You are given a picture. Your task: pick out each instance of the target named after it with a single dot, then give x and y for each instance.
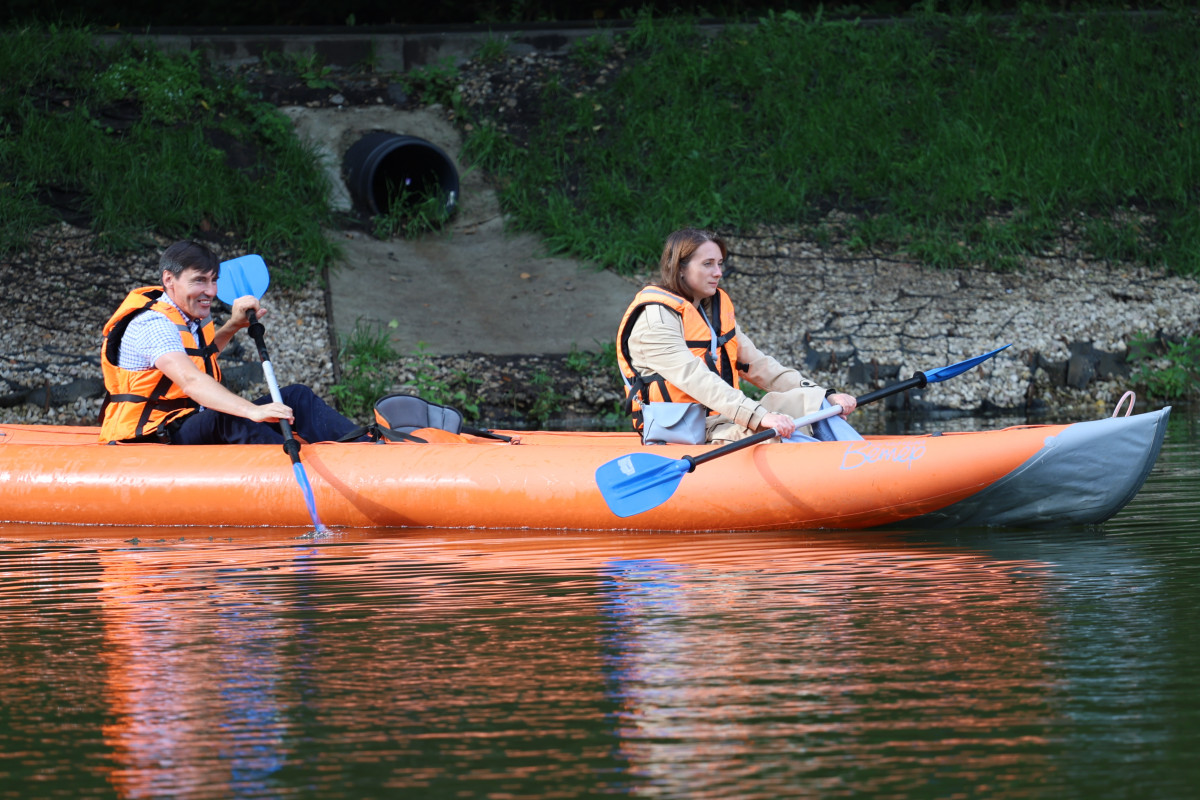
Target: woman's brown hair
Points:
(677, 252)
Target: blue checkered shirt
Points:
(150, 336)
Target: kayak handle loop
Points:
(1131, 397)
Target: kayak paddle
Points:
(249, 275)
(639, 482)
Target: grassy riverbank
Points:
(958, 140)
(129, 141)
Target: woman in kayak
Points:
(679, 342)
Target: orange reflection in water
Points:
(723, 655)
(866, 653)
(190, 656)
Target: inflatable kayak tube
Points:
(1029, 475)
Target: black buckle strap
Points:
(378, 433)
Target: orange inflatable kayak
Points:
(1033, 475)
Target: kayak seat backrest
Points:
(406, 413)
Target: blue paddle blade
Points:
(937, 375)
(639, 482)
(242, 276)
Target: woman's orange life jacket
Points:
(139, 404)
(701, 339)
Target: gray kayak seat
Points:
(398, 415)
(406, 413)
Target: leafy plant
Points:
(547, 400)
(315, 72)
(309, 66)
(434, 83)
(167, 89)
(492, 50)
(366, 359)
(603, 361)
(1168, 369)
(590, 52)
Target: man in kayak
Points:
(161, 376)
(679, 342)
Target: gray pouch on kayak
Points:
(673, 423)
(834, 429)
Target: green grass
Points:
(492, 49)
(1169, 370)
(367, 360)
(960, 140)
(411, 214)
(150, 143)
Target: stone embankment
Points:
(850, 319)
(862, 319)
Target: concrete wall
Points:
(388, 49)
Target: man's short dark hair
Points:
(190, 255)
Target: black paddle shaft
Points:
(256, 330)
(918, 381)
(761, 436)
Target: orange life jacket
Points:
(138, 404)
(698, 336)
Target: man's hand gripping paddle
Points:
(639, 482)
(248, 275)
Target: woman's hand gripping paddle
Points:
(248, 275)
(638, 482)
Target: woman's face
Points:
(702, 272)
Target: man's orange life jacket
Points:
(139, 404)
(717, 347)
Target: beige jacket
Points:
(656, 344)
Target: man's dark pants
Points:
(316, 421)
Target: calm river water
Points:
(209, 663)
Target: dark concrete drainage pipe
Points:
(381, 165)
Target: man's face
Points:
(193, 291)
